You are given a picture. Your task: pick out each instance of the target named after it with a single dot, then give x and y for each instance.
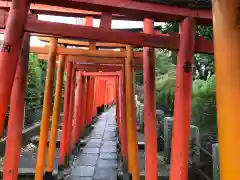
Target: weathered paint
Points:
(10, 52)
(183, 99)
(16, 115)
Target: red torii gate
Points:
(226, 45)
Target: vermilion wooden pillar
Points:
(119, 114)
(118, 102)
(77, 118)
(84, 115)
(9, 54)
(227, 68)
(106, 93)
(92, 100)
(65, 112)
(83, 101)
(133, 165)
(150, 132)
(47, 106)
(182, 103)
(94, 108)
(16, 115)
(124, 117)
(69, 146)
(55, 116)
(101, 92)
(88, 100)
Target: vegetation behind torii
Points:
(203, 96)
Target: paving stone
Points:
(90, 150)
(96, 136)
(98, 159)
(112, 143)
(110, 134)
(78, 178)
(109, 138)
(107, 163)
(110, 130)
(108, 149)
(93, 145)
(86, 160)
(83, 171)
(98, 132)
(27, 163)
(105, 174)
(108, 156)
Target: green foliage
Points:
(204, 113)
(165, 80)
(203, 95)
(34, 82)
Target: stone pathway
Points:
(98, 159)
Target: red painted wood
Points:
(140, 10)
(114, 36)
(77, 117)
(106, 20)
(92, 114)
(63, 149)
(182, 105)
(61, 11)
(94, 110)
(83, 109)
(105, 74)
(16, 115)
(100, 34)
(151, 161)
(9, 54)
(124, 122)
(97, 67)
(85, 100)
(69, 145)
(88, 100)
(89, 21)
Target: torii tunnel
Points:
(104, 76)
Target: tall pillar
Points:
(117, 103)
(47, 106)
(124, 117)
(55, 116)
(65, 112)
(92, 100)
(119, 114)
(227, 64)
(10, 52)
(183, 98)
(94, 108)
(131, 118)
(85, 84)
(69, 146)
(77, 124)
(150, 127)
(89, 100)
(16, 115)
